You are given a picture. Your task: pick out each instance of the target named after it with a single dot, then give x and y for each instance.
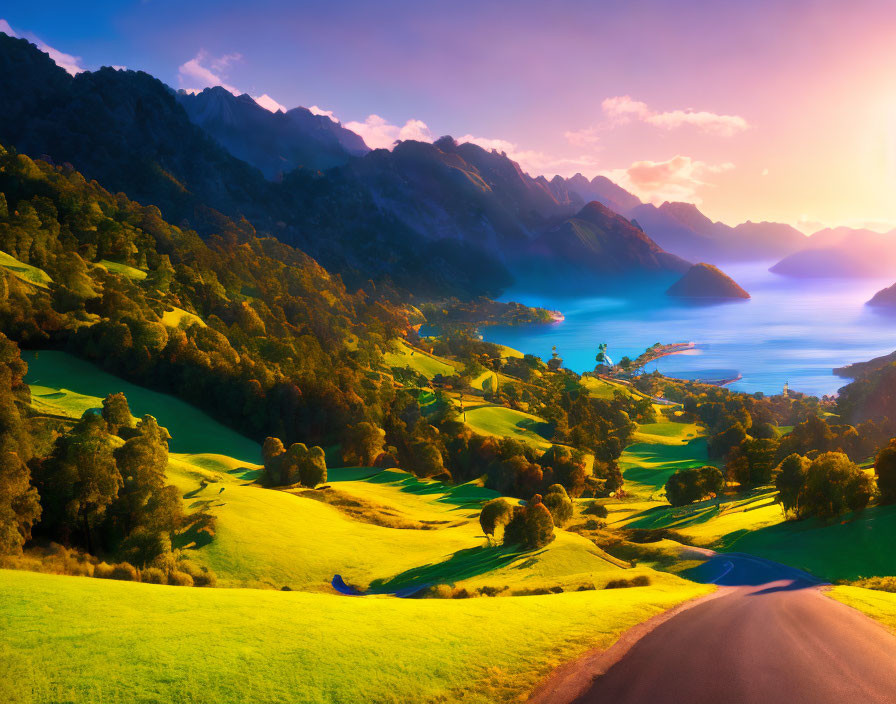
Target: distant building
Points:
(786, 390)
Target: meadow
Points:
(104, 642)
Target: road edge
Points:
(572, 679)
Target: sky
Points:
(752, 109)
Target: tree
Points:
(116, 413)
(313, 470)
(689, 485)
(19, 503)
(752, 462)
(885, 471)
(559, 504)
(790, 482)
(495, 513)
(834, 485)
(82, 478)
(530, 526)
(362, 444)
(141, 462)
(272, 454)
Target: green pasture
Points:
(80, 640)
(66, 385)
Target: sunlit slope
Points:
(83, 385)
(26, 272)
(82, 640)
(881, 606)
(269, 538)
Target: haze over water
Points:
(791, 330)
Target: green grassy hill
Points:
(73, 639)
(66, 385)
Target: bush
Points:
(180, 579)
(642, 580)
(595, 524)
(153, 575)
(201, 576)
(596, 509)
(559, 504)
(124, 571)
(103, 570)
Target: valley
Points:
(593, 401)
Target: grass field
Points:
(79, 640)
(117, 268)
(647, 466)
(177, 316)
(66, 385)
(881, 606)
(505, 422)
(407, 357)
(25, 272)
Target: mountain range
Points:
(442, 218)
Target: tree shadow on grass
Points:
(463, 564)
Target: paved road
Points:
(774, 638)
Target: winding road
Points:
(770, 637)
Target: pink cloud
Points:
(378, 133)
(194, 77)
(268, 103)
(622, 109)
(315, 110)
(72, 64)
(676, 179)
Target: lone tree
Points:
(495, 513)
(790, 482)
(885, 471)
(559, 504)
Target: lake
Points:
(791, 330)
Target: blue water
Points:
(791, 330)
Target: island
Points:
(706, 281)
(885, 298)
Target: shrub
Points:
(596, 509)
(642, 580)
(201, 576)
(180, 579)
(594, 524)
(103, 570)
(153, 575)
(124, 571)
(559, 504)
